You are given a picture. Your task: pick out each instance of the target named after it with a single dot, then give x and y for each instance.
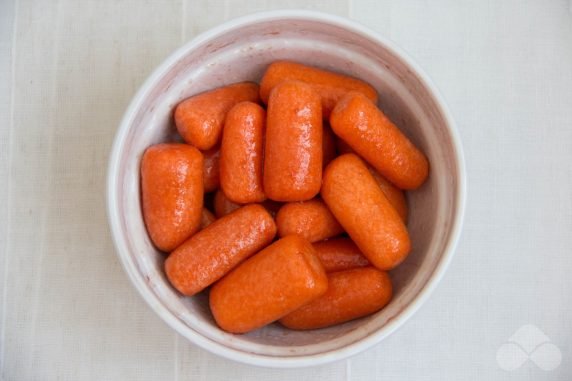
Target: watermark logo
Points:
(529, 343)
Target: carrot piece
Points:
(395, 195)
(351, 294)
(293, 152)
(309, 219)
(172, 193)
(355, 199)
(199, 119)
(375, 138)
(329, 85)
(241, 161)
(211, 253)
(278, 280)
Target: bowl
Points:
(240, 50)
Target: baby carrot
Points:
(172, 193)
(199, 119)
(241, 153)
(309, 219)
(395, 195)
(359, 205)
(208, 255)
(351, 294)
(375, 138)
(330, 86)
(278, 280)
(293, 153)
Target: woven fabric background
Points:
(67, 72)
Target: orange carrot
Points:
(375, 138)
(351, 294)
(309, 219)
(293, 154)
(200, 118)
(329, 85)
(172, 193)
(359, 205)
(208, 255)
(395, 195)
(280, 279)
(242, 148)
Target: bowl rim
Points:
(283, 361)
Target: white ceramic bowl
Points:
(240, 50)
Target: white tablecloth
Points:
(67, 72)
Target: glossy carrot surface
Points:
(278, 280)
(355, 199)
(171, 193)
(329, 85)
(200, 118)
(351, 294)
(309, 219)
(211, 253)
(293, 151)
(242, 150)
(367, 130)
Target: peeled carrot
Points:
(395, 195)
(222, 205)
(199, 119)
(278, 280)
(309, 219)
(293, 154)
(339, 254)
(359, 205)
(211, 176)
(351, 294)
(329, 85)
(211, 253)
(241, 161)
(172, 193)
(375, 138)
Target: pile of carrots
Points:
(309, 209)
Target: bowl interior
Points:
(240, 52)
